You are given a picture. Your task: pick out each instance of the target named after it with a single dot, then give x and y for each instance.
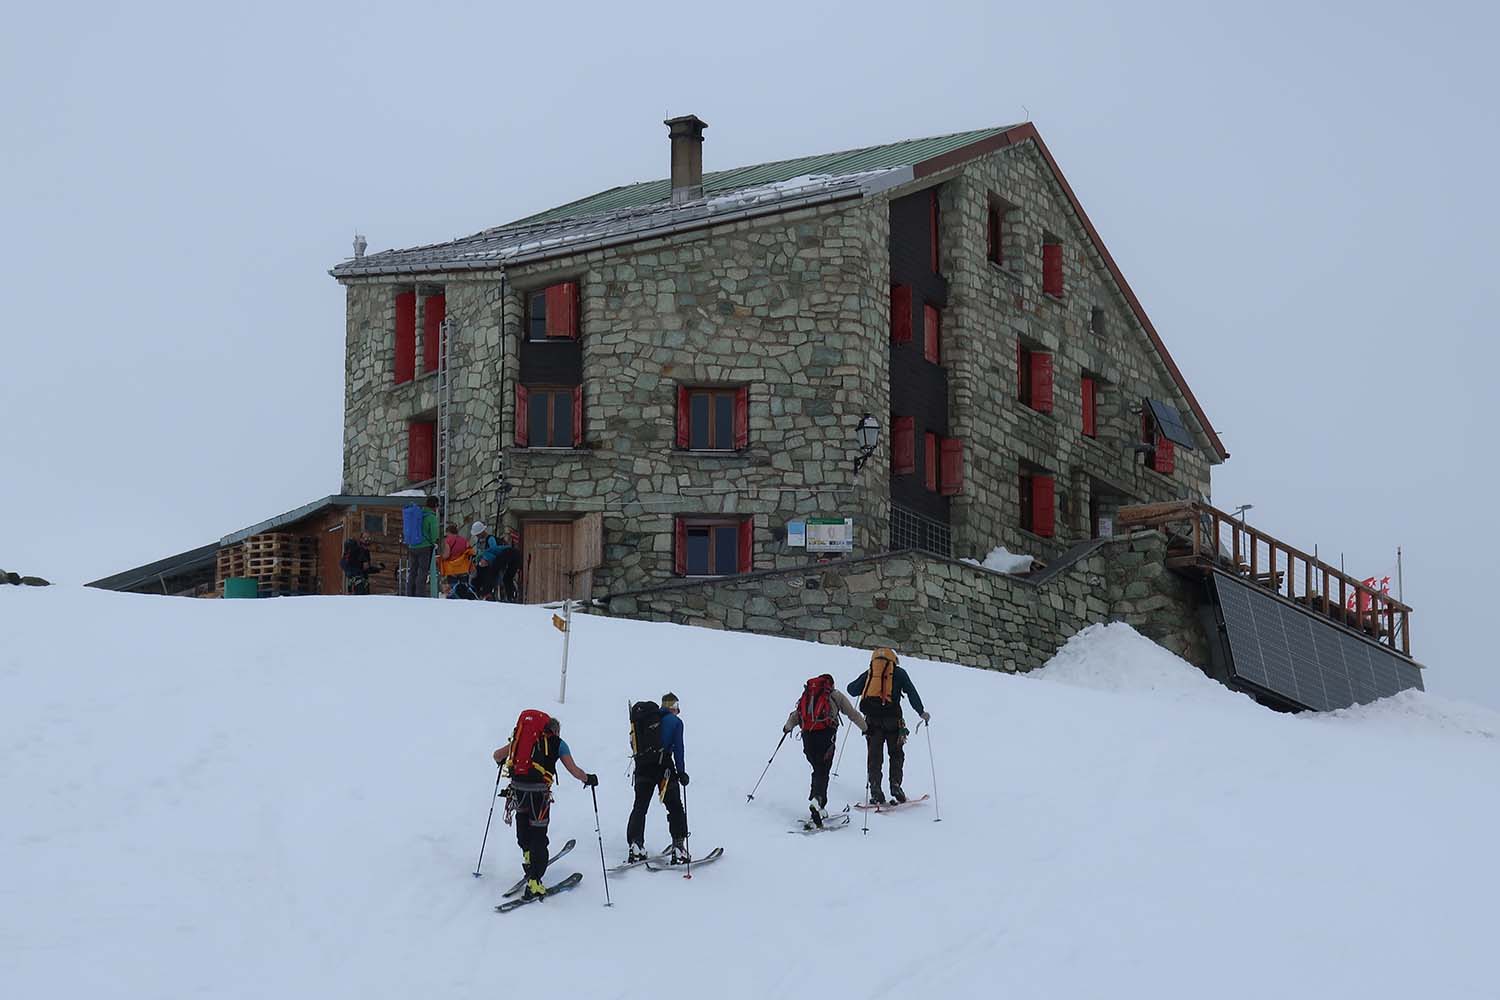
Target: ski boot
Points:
(637, 853)
(534, 889)
(877, 797)
(677, 854)
(818, 811)
(896, 793)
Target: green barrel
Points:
(241, 586)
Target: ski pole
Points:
(499, 773)
(840, 761)
(866, 809)
(936, 806)
(687, 840)
(784, 735)
(599, 834)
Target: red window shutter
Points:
(1162, 459)
(1042, 502)
(679, 547)
(577, 415)
(562, 309)
(742, 417)
(434, 309)
(901, 314)
(684, 417)
(1090, 424)
(903, 445)
(1021, 364)
(747, 545)
(932, 325)
(932, 215)
(523, 417)
(1052, 268)
(930, 461)
(421, 439)
(1041, 382)
(951, 476)
(406, 337)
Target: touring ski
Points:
(625, 866)
(709, 858)
(552, 890)
(521, 884)
(885, 807)
(835, 822)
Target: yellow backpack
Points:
(882, 676)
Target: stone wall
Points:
(990, 308)
(943, 609)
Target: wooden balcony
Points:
(1202, 537)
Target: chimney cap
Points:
(686, 125)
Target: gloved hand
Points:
(786, 729)
(590, 780)
(682, 777)
(927, 717)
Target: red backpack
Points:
(533, 751)
(816, 708)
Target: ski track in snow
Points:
(286, 798)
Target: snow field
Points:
(286, 798)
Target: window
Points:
(900, 314)
(1037, 493)
(932, 325)
(1096, 321)
(1160, 452)
(713, 546)
(1034, 378)
(552, 312)
(1090, 407)
(549, 417)
(713, 418)
(434, 311)
(932, 216)
(903, 445)
(374, 524)
(405, 364)
(421, 451)
(997, 230)
(1052, 267)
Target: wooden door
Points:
(546, 558)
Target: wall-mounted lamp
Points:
(866, 436)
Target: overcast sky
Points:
(1302, 195)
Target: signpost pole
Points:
(567, 631)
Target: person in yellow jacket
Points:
(455, 557)
(879, 691)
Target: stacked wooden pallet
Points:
(283, 563)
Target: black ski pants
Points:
(533, 811)
(818, 746)
(884, 733)
(648, 778)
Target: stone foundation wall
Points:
(943, 609)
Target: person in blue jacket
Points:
(879, 690)
(661, 769)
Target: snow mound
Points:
(1430, 712)
(1115, 657)
(1002, 560)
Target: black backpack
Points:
(645, 732)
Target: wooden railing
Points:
(1213, 537)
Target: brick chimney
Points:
(687, 157)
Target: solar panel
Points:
(1288, 651)
(1169, 421)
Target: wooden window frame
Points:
(541, 323)
(1028, 387)
(739, 397)
(744, 528)
(574, 394)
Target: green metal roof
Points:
(852, 161)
